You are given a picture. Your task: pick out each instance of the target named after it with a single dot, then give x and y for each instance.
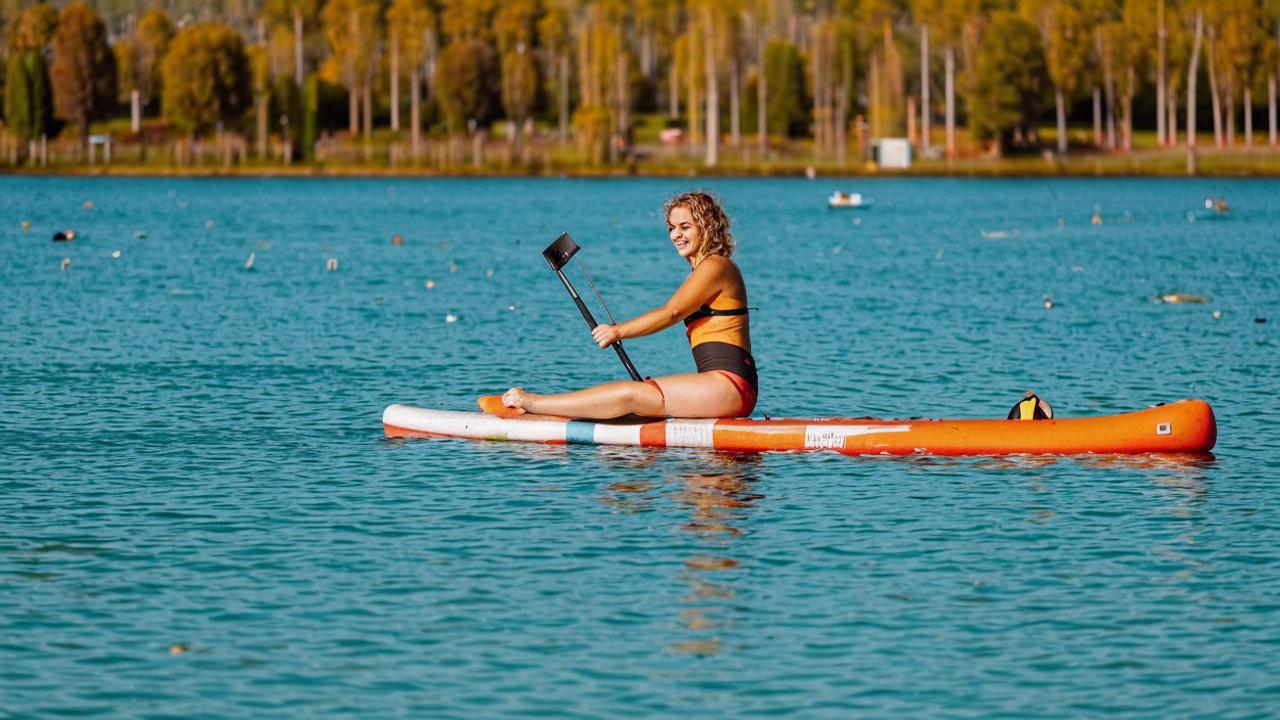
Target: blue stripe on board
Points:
(579, 431)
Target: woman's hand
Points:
(606, 335)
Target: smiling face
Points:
(684, 233)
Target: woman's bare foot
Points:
(516, 397)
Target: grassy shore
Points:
(388, 154)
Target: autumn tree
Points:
(513, 26)
(1065, 38)
(207, 78)
(83, 71)
(295, 12)
(151, 38)
(465, 87)
(409, 22)
(1009, 77)
(352, 28)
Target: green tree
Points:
(84, 74)
(1009, 77)
(464, 79)
(784, 74)
(207, 77)
(28, 101)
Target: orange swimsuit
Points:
(720, 337)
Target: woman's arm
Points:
(696, 288)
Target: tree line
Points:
(739, 72)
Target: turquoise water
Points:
(199, 515)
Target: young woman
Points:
(712, 303)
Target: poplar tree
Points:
(83, 69)
(1009, 77)
(412, 21)
(513, 26)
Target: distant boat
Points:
(848, 200)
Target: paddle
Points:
(558, 255)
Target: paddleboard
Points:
(1186, 426)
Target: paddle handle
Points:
(591, 322)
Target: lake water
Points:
(200, 516)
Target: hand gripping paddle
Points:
(558, 255)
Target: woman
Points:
(712, 303)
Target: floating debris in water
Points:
(178, 648)
(115, 254)
(511, 307)
(430, 284)
(1182, 298)
(248, 264)
(66, 263)
(64, 236)
(450, 318)
(1077, 269)
(488, 272)
(711, 563)
(1217, 314)
(88, 205)
(1048, 303)
(26, 225)
(397, 239)
(331, 264)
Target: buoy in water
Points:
(397, 239)
(26, 225)
(331, 264)
(430, 284)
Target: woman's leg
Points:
(690, 395)
(700, 395)
(601, 402)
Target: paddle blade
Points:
(559, 252)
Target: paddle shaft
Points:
(591, 322)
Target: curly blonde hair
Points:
(711, 219)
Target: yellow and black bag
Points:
(1031, 407)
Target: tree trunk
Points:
(1248, 116)
(1229, 112)
(395, 80)
(297, 48)
(735, 104)
(713, 96)
(1191, 94)
(1128, 109)
(353, 109)
(415, 111)
(368, 111)
(263, 103)
(673, 92)
(842, 109)
(762, 96)
(950, 90)
(564, 97)
(924, 90)
(1059, 102)
(1271, 110)
(1214, 95)
(1161, 134)
(1097, 116)
(1171, 98)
